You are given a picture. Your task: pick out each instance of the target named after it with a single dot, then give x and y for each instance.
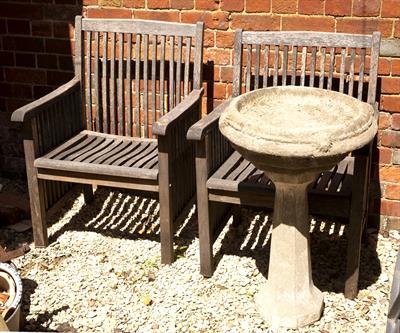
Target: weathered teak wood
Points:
(316, 59)
(393, 321)
(97, 128)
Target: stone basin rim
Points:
(336, 138)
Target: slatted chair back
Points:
(341, 62)
(135, 71)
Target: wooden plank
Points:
(115, 146)
(307, 38)
(153, 77)
(66, 145)
(228, 165)
(342, 68)
(361, 75)
(142, 157)
(79, 64)
(94, 143)
(121, 96)
(326, 176)
(373, 71)
(294, 65)
(129, 109)
(178, 70)
(171, 72)
(257, 69)
(276, 65)
(162, 71)
(97, 104)
(338, 178)
(146, 85)
(113, 157)
(266, 66)
(303, 66)
(88, 87)
(285, 64)
(137, 85)
(132, 153)
(352, 65)
(100, 147)
(75, 148)
(187, 66)
(238, 170)
(112, 84)
(198, 56)
(138, 26)
(322, 67)
(106, 155)
(331, 68)
(104, 84)
(313, 63)
(248, 68)
(237, 64)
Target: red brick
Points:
(48, 61)
(21, 91)
(384, 66)
(390, 139)
(6, 58)
(389, 174)
(209, 38)
(89, 2)
(232, 5)
(384, 120)
(366, 8)
(396, 121)
(284, 6)
(58, 78)
(27, 11)
(384, 155)
(58, 46)
(219, 90)
(392, 192)
(18, 27)
(42, 28)
(259, 6)
(396, 29)
(337, 8)
(172, 16)
(308, 23)
(256, 21)
(158, 4)
(61, 13)
(25, 60)
(29, 44)
(63, 30)
(207, 4)
(182, 4)
(395, 67)
(364, 26)
(227, 73)
(390, 8)
(313, 7)
(3, 26)
(389, 207)
(212, 20)
(65, 63)
(218, 56)
(25, 75)
(109, 13)
(134, 3)
(40, 91)
(110, 3)
(390, 103)
(390, 85)
(225, 39)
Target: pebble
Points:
(100, 274)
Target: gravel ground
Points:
(102, 273)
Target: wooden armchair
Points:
(343, 62)
(96, 129)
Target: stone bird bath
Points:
(293, 134)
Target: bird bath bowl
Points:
(293, 134)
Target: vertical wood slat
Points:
(112, 84)
(121, 103)
(285, 64)
(313, 63)
(237, 65)
(266, 66)
(89, 79)
(257, 69)
(248, 68)
(361, 75)
(171, 72)
(146, 85)
(294, 65)
(153, 77)
(129, 84)
(96, 81)
(162, 71)
(104, 94)
(342, 68)
(303, 66)
(322, 67)
(276, 65)
(373, 72)
(198, 56)
(331, 68)
(178, 70)
(352, 64)
(137, 85)
(187, 65)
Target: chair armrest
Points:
(198, 131)
(162, 126)
(30, 110)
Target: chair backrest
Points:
(134, 71)
(343, 62)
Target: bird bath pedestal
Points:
(293, 134)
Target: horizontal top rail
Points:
(139, 26)
(307, 38)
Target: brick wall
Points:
(221, 18)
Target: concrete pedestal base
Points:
(289, 298)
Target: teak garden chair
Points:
(343, 62)
(96, 129)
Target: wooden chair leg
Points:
(87, 193)
(205, 236)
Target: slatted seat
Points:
(102, 154)
(121, 121)
(345, 63)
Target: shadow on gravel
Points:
(121, 214)
(252, 238)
